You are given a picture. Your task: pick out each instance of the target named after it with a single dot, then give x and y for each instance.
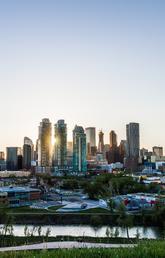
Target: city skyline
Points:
(106, 136)
(95, 64)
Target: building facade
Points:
(101, 142)
(133, 145)
(70, 154)
(113, 139)
(44, 143)
(28, 153)
(91, 141)
(122, 150)
(79, 150)
(60, 147)
(13, 158)
(2, 161)
(158, 151)
(14, 196)
(133, 140)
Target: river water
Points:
(72, 230)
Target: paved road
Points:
(63, 245)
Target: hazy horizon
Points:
(93, 63)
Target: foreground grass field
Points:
(149, 249)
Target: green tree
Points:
(39, 231)
(137, 234)
(116, 234)
(124, 220)
(107, 232)
(111, 205)
(48, 232)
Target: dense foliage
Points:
(111, 185)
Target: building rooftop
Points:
(17, 189)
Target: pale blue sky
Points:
(94, 63)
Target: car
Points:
(84, 205)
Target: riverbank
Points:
(36, 234)
(64, 245)
(7, 241)
(77, 218)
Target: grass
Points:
(95, 210)
(149, 249)
(28, 210)
(25, 210)
(54, 208)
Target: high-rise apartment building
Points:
(112, 155)
(101, 142)
(133, 140)
(91, 141)
(60, 150)
(70, 154)
(122, 150)
(2, 155)
(2, 161)
(158, 151)
(28, 153)
(79, 150)
(113, 139)
(91, 136)
(44, 143)
(133, 145)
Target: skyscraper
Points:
(113, 139)
(70, 154)
(101, 142)
(122, 150)
(2, 155)
(2, 161)
(28, 153)
(79, 150)
(44, 143)
(60, 151)
(14, 158)
(133, 145)
(91, 141)
(133, 140)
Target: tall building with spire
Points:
(44, 143)
(79, 150)
(113, 154)
(101, 142)
(60, 147)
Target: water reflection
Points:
(144, 232)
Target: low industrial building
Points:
(3, 199)
(19, 196)
(136, 201)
